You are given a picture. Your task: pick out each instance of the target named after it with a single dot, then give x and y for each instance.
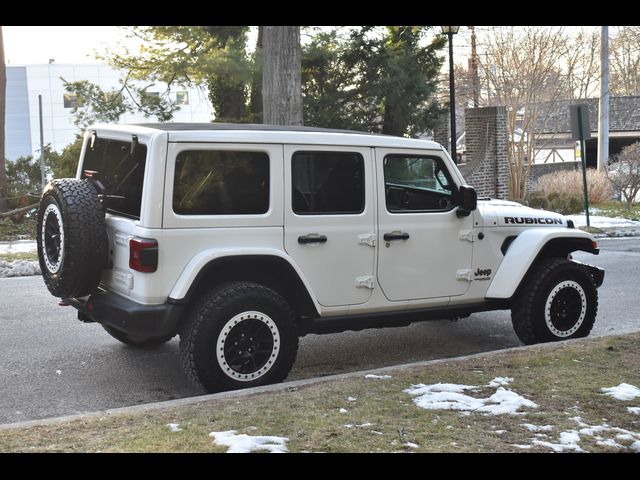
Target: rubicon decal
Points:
(534, 220)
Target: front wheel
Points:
(558, 301)
(239, 335)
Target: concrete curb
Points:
(279, 387)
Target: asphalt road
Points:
(51, 364)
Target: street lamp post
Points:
(450, 31)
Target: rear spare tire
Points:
(71, 237)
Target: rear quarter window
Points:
(221, 182)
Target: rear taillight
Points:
(143, 254)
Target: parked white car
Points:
(241, 238)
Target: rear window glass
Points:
(221, 182)
(120, 171)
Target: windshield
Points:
(120, 172)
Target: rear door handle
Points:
(313, 238)
(395, 236)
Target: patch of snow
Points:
(625, 436)
(537, 428)
(352, 399)
(362, 425)
(174, 427)
(447, 396)
(500, 432)
(18, 246)
(635, 446)
(609, 443)
(579, 421)
(602, 222)
(523, 447)
(371, 376)
(411, 445)
(343, 410)
(624, 391)
(247, 443)
(376, 432)
(19, 268)
(568, 441)
(635, 410)
(58, 372)
(500, 381)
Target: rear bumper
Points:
(131, 317)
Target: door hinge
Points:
(366, 282)
(466, 235)
(465, 275)
(367, 239)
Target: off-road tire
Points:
(134, 341)
(558, 301)
(72, 238)
(203, 347)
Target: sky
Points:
(76, 44)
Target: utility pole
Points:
(603, 106)
(473, 68)
(42, 175)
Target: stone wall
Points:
(540, 169)
(485, 166)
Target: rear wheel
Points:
(559, 301)
(135, 341)
(239, 335)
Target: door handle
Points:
(313, 238)
(395, 236)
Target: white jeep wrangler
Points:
(241, 238)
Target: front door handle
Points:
(395, 236)
(305, 239)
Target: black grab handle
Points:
(395, 236)
(304, 239)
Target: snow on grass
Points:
(241, 443)
(537, 428)
(635, 410)
(18, 246)
(174, 427)
(18, 268)
(500, 381)
(448, 396)
(602, 222)
(352, 399)
(568, 441)
(371, 376)
(624, 391)
(411, 445)
(343, 410)
(362, 425)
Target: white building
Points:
(26, 82)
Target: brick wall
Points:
(486, 167)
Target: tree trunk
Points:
(281, 75)
(3, 96)
(255, 102)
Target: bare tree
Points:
(624, 61)
(624, 173)
(281, 75)
(524, 70)
(3, 97)
(582, 64)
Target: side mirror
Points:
(467, 201)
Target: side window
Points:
(417, 183)
(221, 182)
(327, 183)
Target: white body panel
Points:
(354, 272)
